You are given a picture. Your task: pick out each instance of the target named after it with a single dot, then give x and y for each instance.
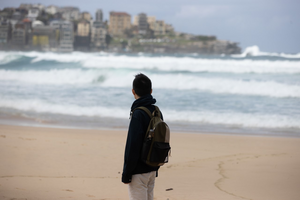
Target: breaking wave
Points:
(255, 51)
(205, 117)
(158, 63)
(160, 81)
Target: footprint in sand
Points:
(68, 190)
(27, 138)
(3, 136)
(19, 189)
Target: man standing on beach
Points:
(139, 176)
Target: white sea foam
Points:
(54, 77)
(160, 81)
(232, 119)
(40, 106)
(163, 63)
(255, 51)
(193, 64)
(227, 86)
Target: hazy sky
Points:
(273, 25)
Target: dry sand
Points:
(52, 164)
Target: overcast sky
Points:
(273, 25)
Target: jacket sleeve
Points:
(133, 147)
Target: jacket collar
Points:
(145, 100)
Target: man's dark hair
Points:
(142, 85)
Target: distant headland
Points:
(35, 27)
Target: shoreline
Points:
(105, 123)
(125, 130)
(52, 163)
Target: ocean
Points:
(254, 93)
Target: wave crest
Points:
(160, 81)
(162, 63)
(255, 51)
(232, 119)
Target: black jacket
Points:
(136, 133)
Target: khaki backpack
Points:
(156, 146)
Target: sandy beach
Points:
(53, 163)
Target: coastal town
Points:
(35, 27)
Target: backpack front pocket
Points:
(146, 149)
(160, 151)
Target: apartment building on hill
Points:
(98, 32)
(146, 23)
(64, 31)
(118, 23)
(82, 38)
(5, 32)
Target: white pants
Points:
(141, 186)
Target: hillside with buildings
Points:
(65, 29)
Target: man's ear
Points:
(133, 92)
(151, 91)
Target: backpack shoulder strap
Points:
(144, 109)
(149, 114)
(157, 111)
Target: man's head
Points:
(141, 85)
